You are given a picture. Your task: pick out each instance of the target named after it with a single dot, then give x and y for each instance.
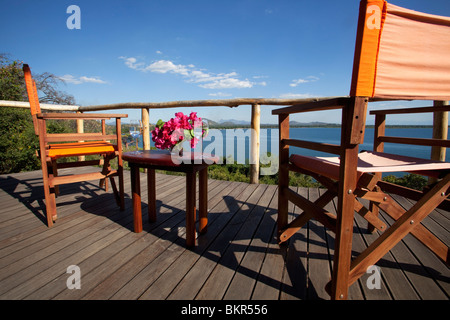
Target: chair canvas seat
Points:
(81, 148)
(371, 162)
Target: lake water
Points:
(236, 142)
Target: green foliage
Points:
(413, 181)
(231, 171)
(12, 85)
(18, 143)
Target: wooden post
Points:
(254, 143)
(440, 131)
(145, 128)
(80, 129)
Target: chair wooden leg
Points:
(121, 186)
(373, 208)
(115, 191)
(55, 174)
(203, 200)
(344, 219)
(408, 222)
(151, 194)
(118, 193)
(103, 183)
(283, 178)
(343, 247)
(50, 197)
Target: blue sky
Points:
(167, 50)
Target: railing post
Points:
(254, 143)
(145, 128)
(440, 131)
(80, 129)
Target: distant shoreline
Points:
(275, 126)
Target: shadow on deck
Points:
(238, 258)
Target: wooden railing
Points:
(440, 118)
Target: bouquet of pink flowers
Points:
(167, 135)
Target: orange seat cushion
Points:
(80, 149)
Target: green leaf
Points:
(160, 123)
(188, 134)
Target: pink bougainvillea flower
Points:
(168, 134)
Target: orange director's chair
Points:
(56, 146)
(400, 54)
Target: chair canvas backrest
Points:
(33, 97)
(401, 54)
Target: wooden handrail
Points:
(412, 110)
(416, 141)
(201, 103)
(314, 105)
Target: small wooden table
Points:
(162, 159)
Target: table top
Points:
(165, 158)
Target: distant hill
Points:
(230, 124)
(312, 124)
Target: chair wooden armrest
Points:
(92, 116)
(353, 126)
(319, 105)
(64, 137)
(380, 127)
(411, 110)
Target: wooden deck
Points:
(237, 259)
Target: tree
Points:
(12, 84)
(18, 143)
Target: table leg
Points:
(203, 200)
(190, 208)
(151, 195)
(136, 195)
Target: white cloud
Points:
(227, 83)
(296, 96)
(83, 79)
(192, 74)
(220, 94)
(91, 79)
(164, 66)
(296, 82)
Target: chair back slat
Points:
(33, 97)
(401, 54)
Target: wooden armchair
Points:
(392, 61)
(57, 146)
